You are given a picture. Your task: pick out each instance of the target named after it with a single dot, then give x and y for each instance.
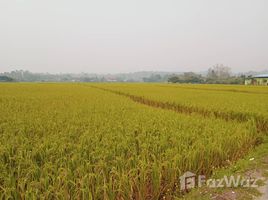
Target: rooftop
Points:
(261, 76)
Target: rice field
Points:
(121, 141)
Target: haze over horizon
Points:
(120, 36)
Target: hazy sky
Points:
(132, 35)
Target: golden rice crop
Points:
(240, 103)
(72, 141)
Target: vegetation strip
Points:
(217, 90)
(261, 122)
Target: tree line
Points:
(218, 74)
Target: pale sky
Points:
(132, 35)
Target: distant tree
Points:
(219, 71)
(190, 77)
(174, 79)
(187, 77)
(6, 79)
(153, 78)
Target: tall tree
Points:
(219, 71)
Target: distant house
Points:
(261, 79)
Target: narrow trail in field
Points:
(213, 90)
(261, 123)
